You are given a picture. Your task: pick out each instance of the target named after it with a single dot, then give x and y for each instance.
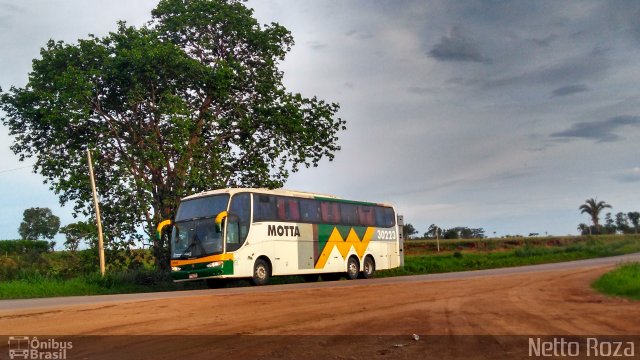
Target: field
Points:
(37, 273)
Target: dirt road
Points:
(380, 317)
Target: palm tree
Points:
(593, 207)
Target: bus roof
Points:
(282, 192)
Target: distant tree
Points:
(622, 223)
(79, 232)
(433, 231)
(408, 230)
(609, 224)
(584, 229)
(477, 233)
(451, 234)
(463, 232)
(38, 223)
(634, 217)
(593, 207)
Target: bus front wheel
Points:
(353, 268)
(261, 273)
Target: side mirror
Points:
(219, 219)
(162, 226)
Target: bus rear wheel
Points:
(368, 268)
(353, 268)
(261, 273)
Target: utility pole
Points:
(97, 206)
(438, 238)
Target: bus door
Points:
(238, 221)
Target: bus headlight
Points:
(214, 264)
(175, 268)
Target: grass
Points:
(133, 281)
(528, 254)
(34, 275)
(623, 281)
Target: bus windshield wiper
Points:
(195, 240)
(182, 256)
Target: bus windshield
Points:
(194, 231)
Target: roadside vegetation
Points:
(623, 281)
(29, 269)
(478, 254)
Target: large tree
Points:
(38, 223)
(191, 101)
(593, 207)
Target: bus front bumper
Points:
(201, 270)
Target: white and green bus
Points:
(259, 233)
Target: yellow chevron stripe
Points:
(344, 245)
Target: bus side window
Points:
(288, 209)
(384, 217)
(264, 208)
(282, 211)
(389, 217)
(310, 210)
(330, 212)
(292, 208)
(366, 215)
(349, 214)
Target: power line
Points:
(14, 169)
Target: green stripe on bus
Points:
(344, 201)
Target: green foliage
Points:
(408, 230)
(458, 232)
(623, 281)
(39, 223)
(12, 247)
(79, 232)
(535, 252)
(634, 218)
(190, 102)
(593, 207)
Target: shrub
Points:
(13, 247)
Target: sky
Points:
(494, 114)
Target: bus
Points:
(259, 233)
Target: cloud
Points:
(361, 35)
(317, 45)
(421, 90)
(629, 176)
(569, 90)
(578, 68)
(7, 13)
(456, 47)
(544, 42)
(601, 131)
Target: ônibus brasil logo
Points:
(25, 347)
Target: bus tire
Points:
(261, 273)
(368, 268)
(353, 268)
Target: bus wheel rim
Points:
(260, 272)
